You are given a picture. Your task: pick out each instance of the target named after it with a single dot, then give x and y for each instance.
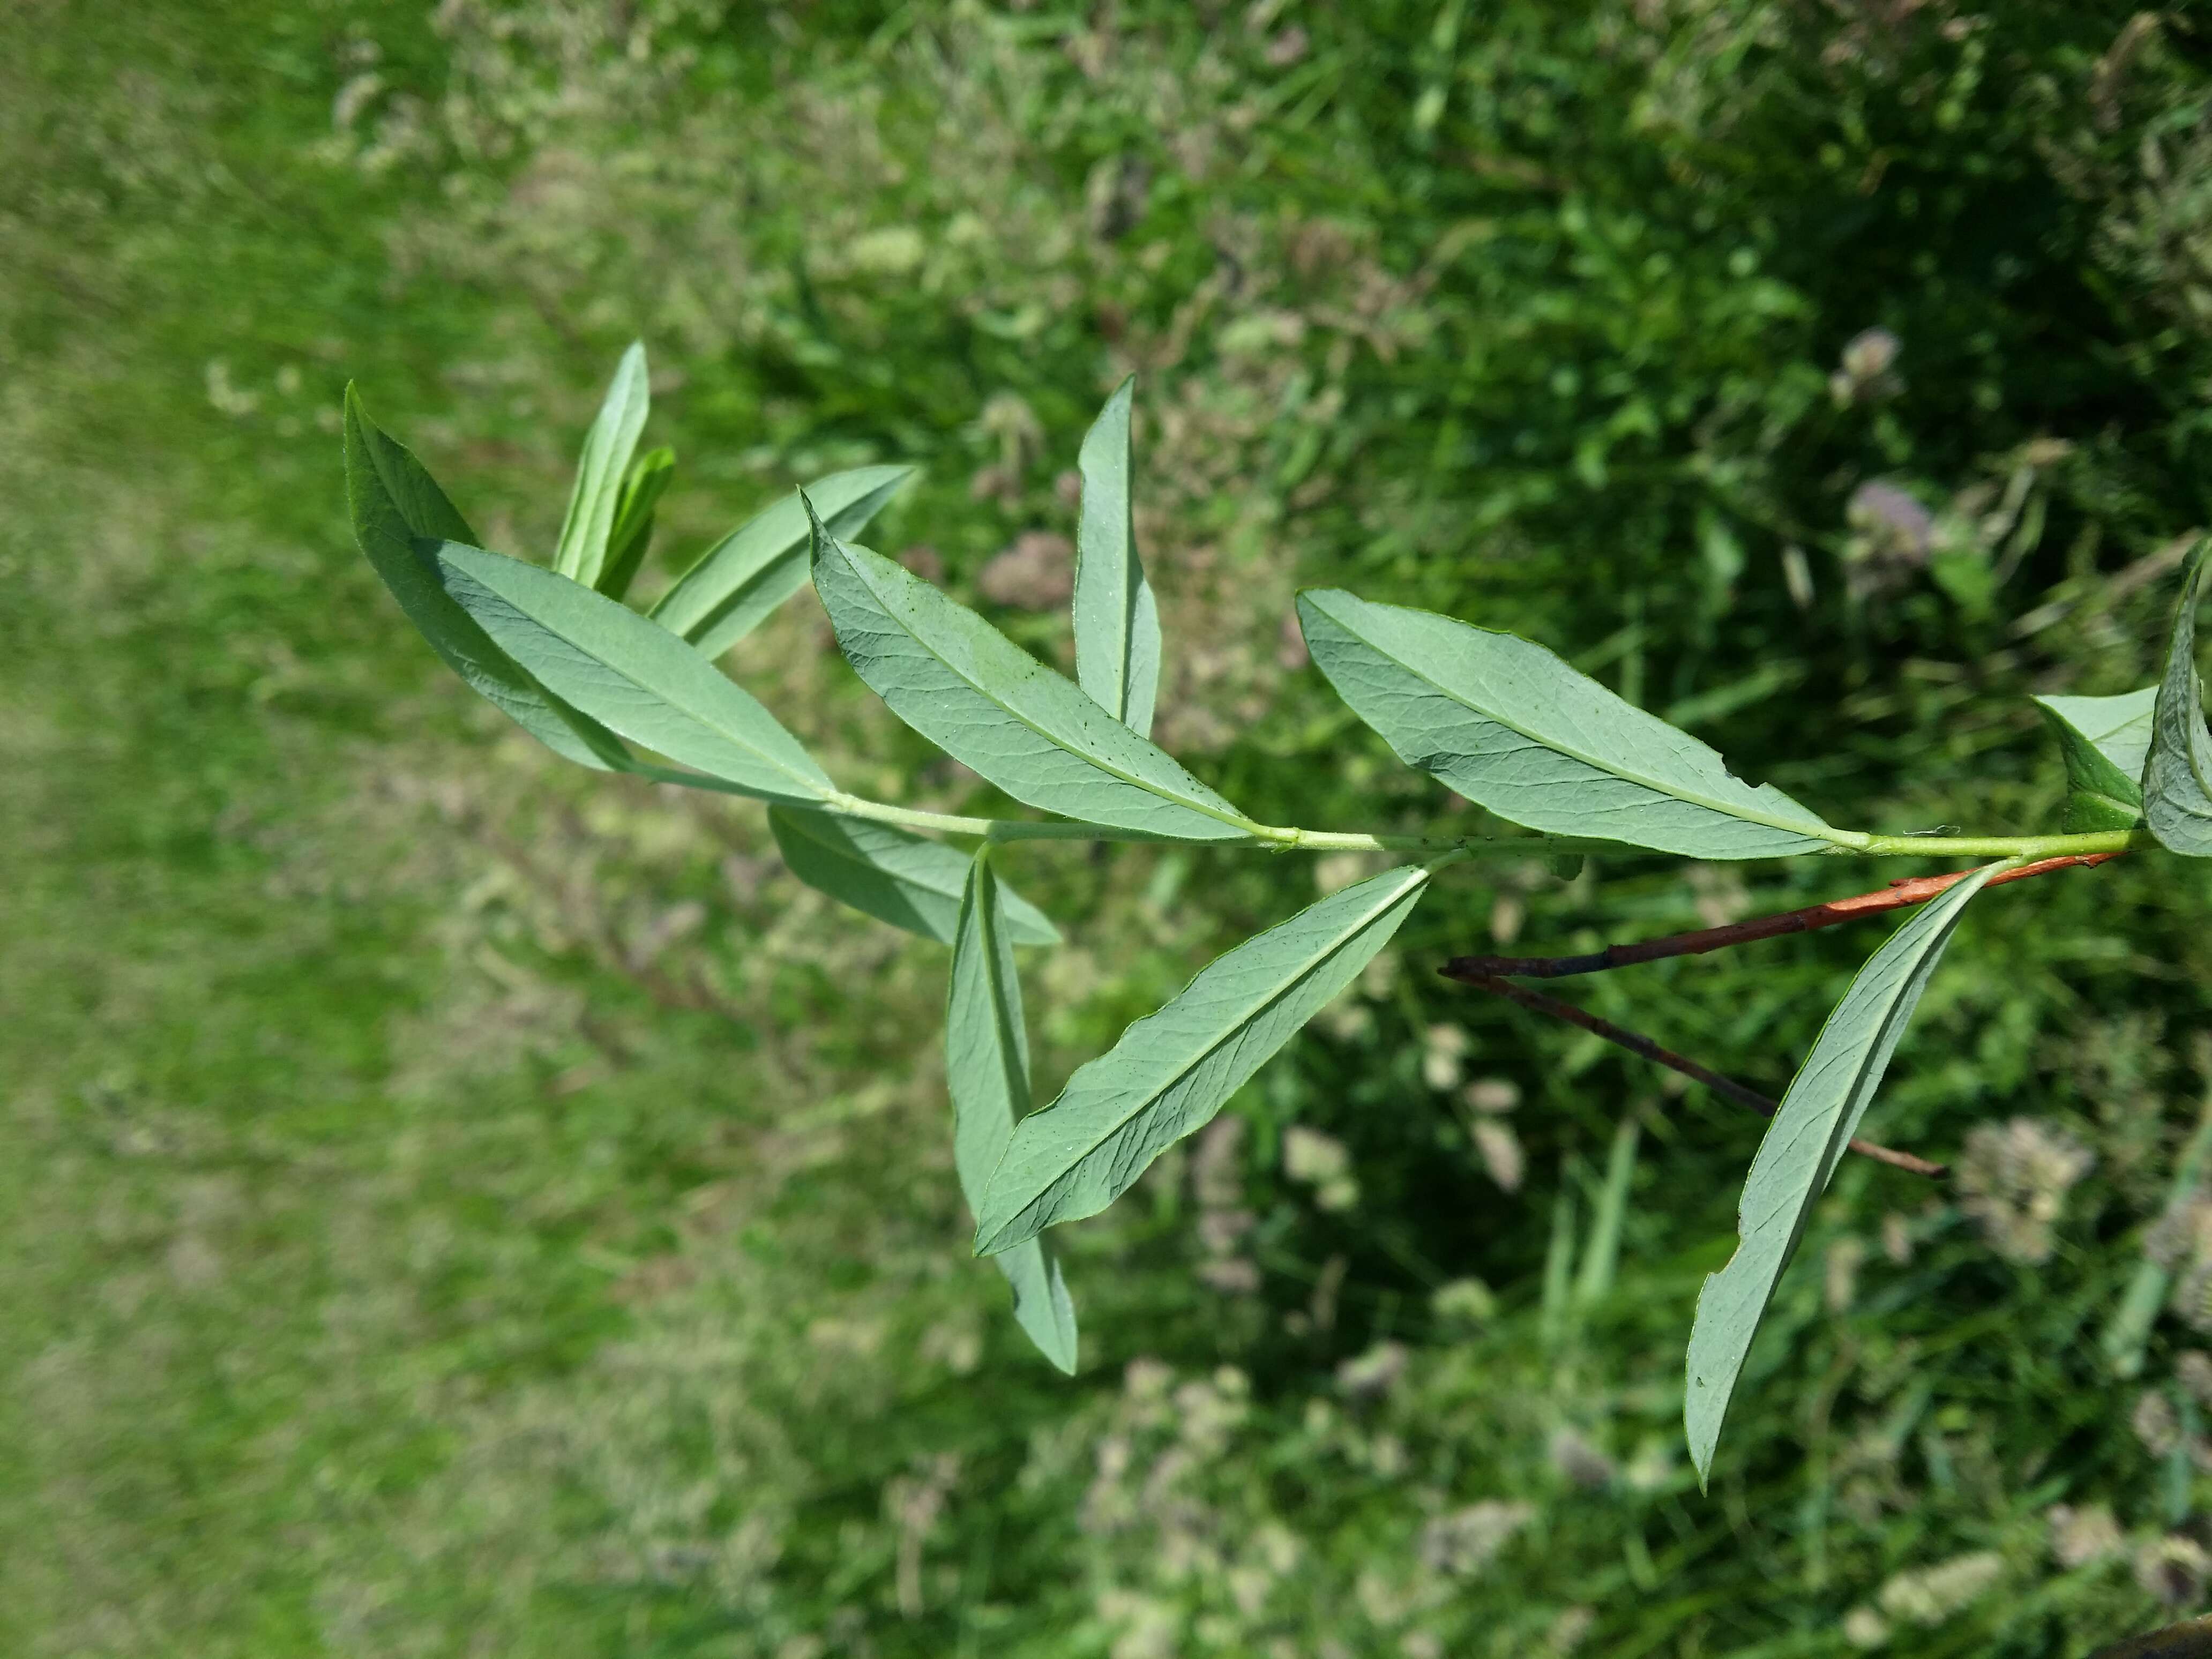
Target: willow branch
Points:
(1898, 896)
(1636, 1044)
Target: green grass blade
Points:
(739, 580)
(601, 469)
(395, 503)
(1602, 1253)
(649, 476)
(987, 1065)
(2176, 782)
(1819, 1114)
(905, 880)
(628, 671)
(1508, 724)
(1117, 620)
(989, 704)
(1171, 1071)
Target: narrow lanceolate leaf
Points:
(986, 1062)
(395, 503)
(2106, 741)
(2176, 782)
(1172, 1070)
(1815, 1121)
(633, 533)
(741, 579)
(1117, 621)
(1511, 728)
(599, 470)
(989, 704)
(907, 880)
(630, 672)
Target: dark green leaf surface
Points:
(600, 470)
(1511, 728)
(2177, 783)
(395, 503)
(633, 533)
(738, 583)
(907, 880)
(986, 1066)
(1117, 620)
(1171, 1071)
(988, 703)
(1816, 1120)
(632, 673)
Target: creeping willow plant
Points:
(1501, 720)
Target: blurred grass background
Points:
(455, 1205)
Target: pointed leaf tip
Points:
(601, 466)
(987, 1064)
(397, 505)
(738, 582)
(1170, 1071)
(1505, 723)
(1116, 614)
(1815, 1123)
(991, 706)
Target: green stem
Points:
(1281, 839)
(2004, 847)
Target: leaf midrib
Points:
(1235, 820)
(1824, 832)
(1936, 937)
(813, 784)
(1186, 1067)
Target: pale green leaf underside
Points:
(739, 580)
(987, 1063)
(2106, 741)
(1511, 728)
(990, 705)
(1117, 619)
(1171, 1071)
(2176, 781)
(631, 673)
(395, 504)
(1817, 1118)
(600, 468)
(907, 880)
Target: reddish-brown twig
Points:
(1537, 1002)
(1898, 896)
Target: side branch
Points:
(1898, 896)
(1636, 1044)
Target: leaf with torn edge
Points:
(1511, 728)
(1171, 1071)
(990, 705)
(632, 673)
(987, 1063)
(1815, 1123)
(907, 880)
(397, 504)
